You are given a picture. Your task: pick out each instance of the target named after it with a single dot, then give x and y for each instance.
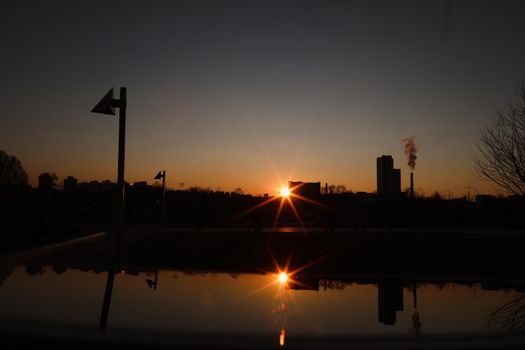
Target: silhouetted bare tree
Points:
(510, 315)
(501, 148)
(334, 189)
(11, 170)
(238, 191)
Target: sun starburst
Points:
(283, 277)
(285, 192)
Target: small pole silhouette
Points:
(162, 175)
(412, 184)
(107, 105)
(468, 188)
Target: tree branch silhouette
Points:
(510, 315)
(501, 148)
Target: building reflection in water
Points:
(304, 282)
(390, 298)
(390, 301)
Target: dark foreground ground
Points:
(50, 338)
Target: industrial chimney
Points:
(411, 185)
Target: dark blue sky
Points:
(241, 93)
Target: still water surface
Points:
(249, 303)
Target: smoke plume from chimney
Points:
(410, 151)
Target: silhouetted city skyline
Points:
(240, 94)
(262, 174)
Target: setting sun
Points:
(285, 192)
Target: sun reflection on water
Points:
(281, 337)
(282, 278)
(280, 309)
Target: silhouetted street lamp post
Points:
(162, 175)
(107, 105)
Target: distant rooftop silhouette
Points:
(305, 189)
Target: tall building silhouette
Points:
(388, 178)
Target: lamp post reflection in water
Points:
(107, 299)
(416, 321)
(152, 284)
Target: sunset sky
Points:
(227, 94)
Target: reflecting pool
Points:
(266, 303)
